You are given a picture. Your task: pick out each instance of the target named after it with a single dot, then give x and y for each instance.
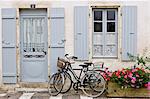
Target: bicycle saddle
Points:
(83, 65)
(88, 63)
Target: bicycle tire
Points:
(55, 84)
(67, 83)
(93, 84)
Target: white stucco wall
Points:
(143, 35)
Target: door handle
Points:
(79, 33)
(131, 33)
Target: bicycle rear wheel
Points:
(55, 84)
(93, 84)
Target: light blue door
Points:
(57, 40)
(34, 67)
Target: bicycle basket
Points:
(61, 63)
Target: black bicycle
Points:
(92, 83)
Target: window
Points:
(105, 33)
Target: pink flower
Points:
(130, 75)
(109, 74)
(137, 75)
(133, 78)
(132, 81)
(119, 76)
(148, 86)
(134, 70)
(125, 76)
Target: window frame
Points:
(104, 32)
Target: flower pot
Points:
(115, 90)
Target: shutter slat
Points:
(129, 31)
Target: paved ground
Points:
(45, 95)
(23, 95)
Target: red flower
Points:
(145, 85)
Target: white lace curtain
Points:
(33, 34)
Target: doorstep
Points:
(31, 89)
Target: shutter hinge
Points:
(120, 50)
(120, 14)
(89, 14)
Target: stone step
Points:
(31, 89)
(33, 85)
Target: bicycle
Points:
(56, 81)
(92, 83)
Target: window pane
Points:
(97, 26)
(110, 15)
(97, 15)
(110, 26)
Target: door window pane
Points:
(110, 26)
(97, 15)
(98, 50)
(110, 15)
(97, 26)
(110, 50)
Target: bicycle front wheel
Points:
(55, 84)
(93, 84)
(67, 83)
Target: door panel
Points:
(33, 47)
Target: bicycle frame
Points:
(77, 78)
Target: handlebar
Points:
(72, 57)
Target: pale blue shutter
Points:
(81, 32)
(129, 31)
(57, 27)
(9, 45)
